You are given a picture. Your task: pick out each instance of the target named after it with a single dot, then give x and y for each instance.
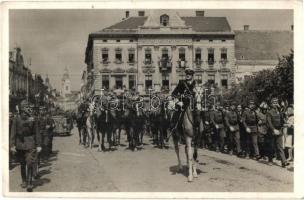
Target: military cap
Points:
(251, 101)
(274, 99)
(189, 71)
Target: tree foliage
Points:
(267, 83)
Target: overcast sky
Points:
(55, 39)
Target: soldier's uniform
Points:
(232, 120)
(250, 122)
(25, 138)
(262, 131)
(217, 118)
(185, 94)
(208, 130)
(275, 124)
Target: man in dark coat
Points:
(184, 94)
(275, 124)
(250, 122)
(231, 119)
(217, 119)
(25, 142)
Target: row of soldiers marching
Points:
(247, 131)
(31, 139)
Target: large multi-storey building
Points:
(153, 50)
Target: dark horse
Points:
(136, 124)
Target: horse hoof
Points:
(190, 178)
(195, 175)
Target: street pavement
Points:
(73, 168)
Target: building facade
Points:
(257, 50)
(152, 51)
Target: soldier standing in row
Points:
(217, 119)
(250, 122)
(25, 142)
(275, 124)
(231, 119)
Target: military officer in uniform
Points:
(25, 142)
(217, 119)
(250, 122)
(275, 124)
(184, 95)
(231, 119)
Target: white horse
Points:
(188, 132)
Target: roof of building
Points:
(198, 24)
(262, 45)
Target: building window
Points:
(141, 13)
(198, 56)
(165, 81)
(164, 20)
(148, 82)
(198, 40)
(211, 79)
(182, 54)
(148, 56)
(165, 53)
(223, 40)
(118, 56)
(105, 40)
(118, 82)
(67, 88)
(117, 40)
(131, 55)
(132, 82)
(198, 78)
(130, 40)
(105, 55)
(223, 54)
(210, 40)
(210, 56)
(224, 81)
(105, 82)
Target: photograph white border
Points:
(297, 6)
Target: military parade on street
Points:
(164, 101)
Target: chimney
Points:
(291, 27)
(127, 14)
(141, 13)
(246, 27)
(200, 13)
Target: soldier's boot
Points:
(23, 175)
(30, 186)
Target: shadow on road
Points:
(184, 171)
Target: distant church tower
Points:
(65, 83)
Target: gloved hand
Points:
(38, 149)
(276, 132)
(231, 128)
(180, 103)
(248, 130)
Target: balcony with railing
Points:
(165, 64)
(223, 62)
(105, 61)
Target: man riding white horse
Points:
(183, 120)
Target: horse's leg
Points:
(109, 135)
(189, 158)
(176, 147)
(194, 162)
(98, 138)
(79, 132)
(102, 139)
